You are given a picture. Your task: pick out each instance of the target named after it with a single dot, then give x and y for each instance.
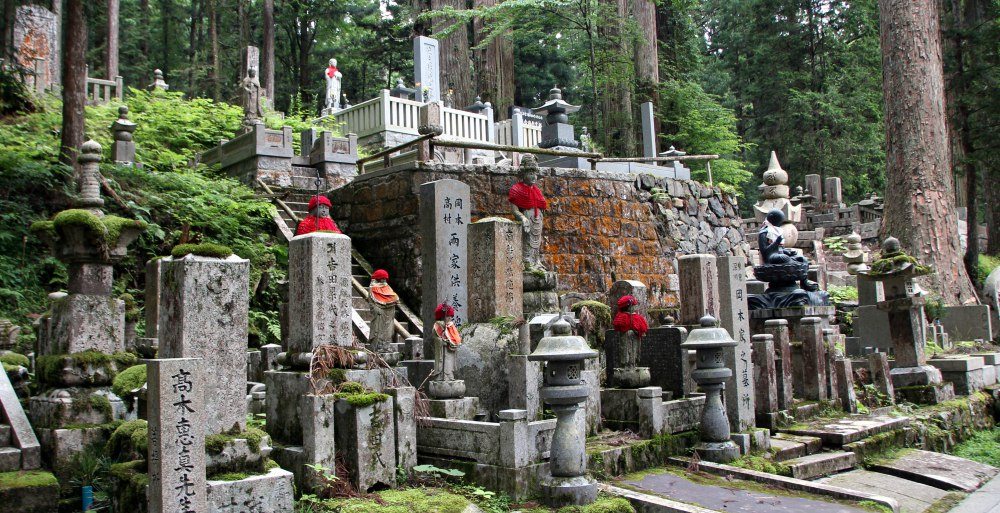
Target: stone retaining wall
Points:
(600, 227)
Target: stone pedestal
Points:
(814, 383)
(319, 291)
(639, 410)
(366, 438)
(83, 322)
(465, 408)
(525, 378)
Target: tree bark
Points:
(616, 102)
(111, 59)
(919, 203)
(167, 12)
(192, 45)
(267, 52)
(456, 64)
(144, 18)
(213, 34)
(494, 67)
(74, 80)
(647, 62)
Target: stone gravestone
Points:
(734, 316)
(765, 382)
(878, 369)
(814, 186)
(445, 211)
(661, 351)
(319, 291)
(699, 286)
(845, 381)
(813, 359)
(36, 36)
(626, 287)
(778, 328)
(497, 283)
(177, 421)
(250, 58)
(831, 191)
(427, 69)
(203, 314)
(648, 129)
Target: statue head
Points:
(123, 112)
(333, 62)
(775, 218)
(890, 245)
(319, 206)
(444, 312)
(528, 172)
(380, 275)
(252, 72)
(627, 303)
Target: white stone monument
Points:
(427, 69)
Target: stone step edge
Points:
(843, 460)
(788, 482)
(652, 503)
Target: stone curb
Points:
(790, 483)
(644, 503)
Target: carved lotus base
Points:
(633, 377)
(442, 389)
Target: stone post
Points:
(319, 291)
(735, 318)
(845, 383)
(445, 211)
(699, 285)
(513, 434)
(177, 422)
(813, 359)
(778, 328)
(878, 369)
(765, 384)
(496, 286)
(318, 437)
(203, 314)
(830, 349)
(648, 129)
(426, 69)
(152, 303)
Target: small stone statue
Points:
(584, 139)
(333, 82)
(158, 82)
(785, 271)
(318, 219)
(446, 343)
(383, 305)
(631, 327)
(529, 202)
(251, 91)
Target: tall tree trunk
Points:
(8, 28)
(111, 61)
(647, 62)
(305, 48)
(144, 19)
(74, 80)
(991, 199)
(166, 15)
(192, 45)
(456, 65)
(494, 67)
(919, 203)
(57, 9)
(213, 34)
(267, 53)
(616, 70)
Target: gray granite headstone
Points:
(427, 68)
(319, 291)
(778, 328)
(872, 326)
(969, 322)
(734, 316)
(813, 359)
(831, 190)
(699, 286)
(152, 304)
(203, 314)
(177, 420)
(496, 280)
(814, 186)
(445, 212)
(625, 287)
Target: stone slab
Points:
(983, 500)
(319, 291)
(850, 429)
(783, 450)
(177, 424)
(872, 325)
(969, 322)
(939, 470)
(963, 364)
(496, 286)
(913, 497)
(29, 499)
(465, 408)
(267, 493)
(821, 464)
(699, 286)
(20, 432)
(445, 213)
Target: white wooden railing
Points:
(467, 126)
(520, 130)
(389, 113)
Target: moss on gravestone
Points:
(205, 249)
(888, 263)
(105, 230)
(129, 441)
(130, 481)
(27, 479)
(358, 396)
(129, 379)
(49, 367)
(214, 444)
(15, 359)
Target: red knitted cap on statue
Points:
(627, 301)
(380, 274)
(319, 200)
(443, 310)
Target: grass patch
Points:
(411, 500)
(27, 479)
(983, 447)
(762, 464)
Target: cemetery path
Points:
(912, 497)
(984, 500)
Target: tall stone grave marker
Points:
(445, 211)
(427, 69)
(648, 129)
(765, 384)
(778, 328)
(203, 314)
(831, 191)
(814, 186)
(735, 318)
(177, 421)
(36, 36)
(629, 287)
(497, 283)
(319, 291)
(813, 359)
(699, 286)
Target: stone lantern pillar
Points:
(564, 391)
(711, 375)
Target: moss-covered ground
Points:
(27, 479)
(442, 500)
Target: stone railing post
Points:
(514, 443)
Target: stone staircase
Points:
(293, 203)
(19, 448)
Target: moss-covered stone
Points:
(214, 444)
(762, 464)
(358, 396)
(15, 359)
(105, 230)
(602, 315)
(602, 505)
(890, 263)
(411, 500)
(129, 379)
(129, 481)
(130, 441)
(205, 249)
(49, 368)
(27, 479)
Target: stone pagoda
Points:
(774, 195)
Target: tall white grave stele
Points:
(427, 68)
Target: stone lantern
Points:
(557, 132)
(711, 374)
(564, 354)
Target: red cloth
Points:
(330, 71)
(626, 321)
(525, 197)
(318, 200)
(380, 274)
(443, 310)
(626, 301)
(452, 334)
(384, 295)
(315, 224)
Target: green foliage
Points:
(934, 307)
(835, 244)
(15, 359)
(602, 505)
(205, 249)
(214, 444)
(130, 441)
(411, 500)
(505, 325)
(15, 98)
(984, 447)
(129, 379)
(987, 264)
(91, 467)
(842, 294)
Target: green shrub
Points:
(129, 379)
(839, 294)
(130, 441)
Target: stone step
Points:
(810, 444)
(938, 470)
(821, 464)
(10, 459)
(5, 435)
(784, 450)
(913, 497)
(849, 429)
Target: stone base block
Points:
(519, 483)
(375, 379)
(267, 493)
(446, 389)
(540, 301)
(465, 408)
(915, 376)
(569, 491)
(366, 441)
(926, 394)
(683, 414)
(26, 494)
(284, 388)
(236, 455)
(966, 382)
(417, 371)
(989, 375)
(60, 445)
(82, 321)
(525, 380)
(293, 459)
(718, 452)
(639, 410)
(65, 406)
(742, 441)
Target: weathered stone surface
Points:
(465, 408)
(524, 381)
(151, 307)
(765, 376)
(813, 360)
(965, 373)
(60, 407)
(821, 464)
(878, 368)
(482, 363)
(778, 328)
(629, 287)
(845, 385)
(733, 316)
(912, 496)
(969, 322)
(81, 322)
(31, 499)
(872, 325)
(237, 454)
(366, 438)
(699, 288)
(36, 36)
(682, 414)
(282, 402)
(268, 493)
(836, 433)
(590, 415)
(318, 436)
(18, 430)
(445, 213)
(496, 281)
(639, 410)
(404, 402)
(203, 314)
(177, 423)
(940, 470)
(660, 351)
(319, 291)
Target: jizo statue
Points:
(319, 219)
(383, 306)
(333, 81)
(251, 91)
(529, 202)
(446, 342)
